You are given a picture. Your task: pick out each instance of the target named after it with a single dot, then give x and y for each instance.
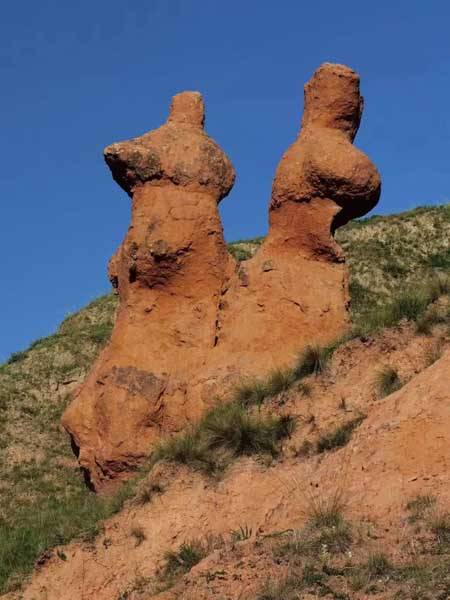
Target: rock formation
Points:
(191, 321)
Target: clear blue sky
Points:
(76, 76)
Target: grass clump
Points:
(387, 381)
(180, 561)
(339, 437)
(378, 565)
(279, 380)
(419, 506)
(227, 431)
(244, 532)
(313, 360)
(440, 527)
(250, 392)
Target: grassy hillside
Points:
(386, 254)
(43, 500)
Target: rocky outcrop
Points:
(191, 320)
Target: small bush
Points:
(283, 590)
(340, 436)
(331, 534)
(387, 381)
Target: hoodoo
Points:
(192, 321)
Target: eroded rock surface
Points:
(192, 321)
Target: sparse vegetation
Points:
(244, 532)
(340, 436)
(399, 267)
(440, 526)
(139, 534)
(181, 561)
(313, 360)
(378, 565)
(387, 381)
(419, 506)
(148, 490)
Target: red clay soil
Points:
(400, 450)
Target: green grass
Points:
(339, 437)
(225, 432)
(314, 360)
(179, 562)
(43, 496)
(54, 521)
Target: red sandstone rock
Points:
(191, 321)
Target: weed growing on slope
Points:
(189, 554)
(228, 430)
(386, 381)
(340, 436)
(419, 506)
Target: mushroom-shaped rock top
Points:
(178, 153)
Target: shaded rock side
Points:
(191, 321)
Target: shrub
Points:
(338, 437)
(284, 590)
(387, 381)
(426, 321)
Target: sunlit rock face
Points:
(192, 321)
